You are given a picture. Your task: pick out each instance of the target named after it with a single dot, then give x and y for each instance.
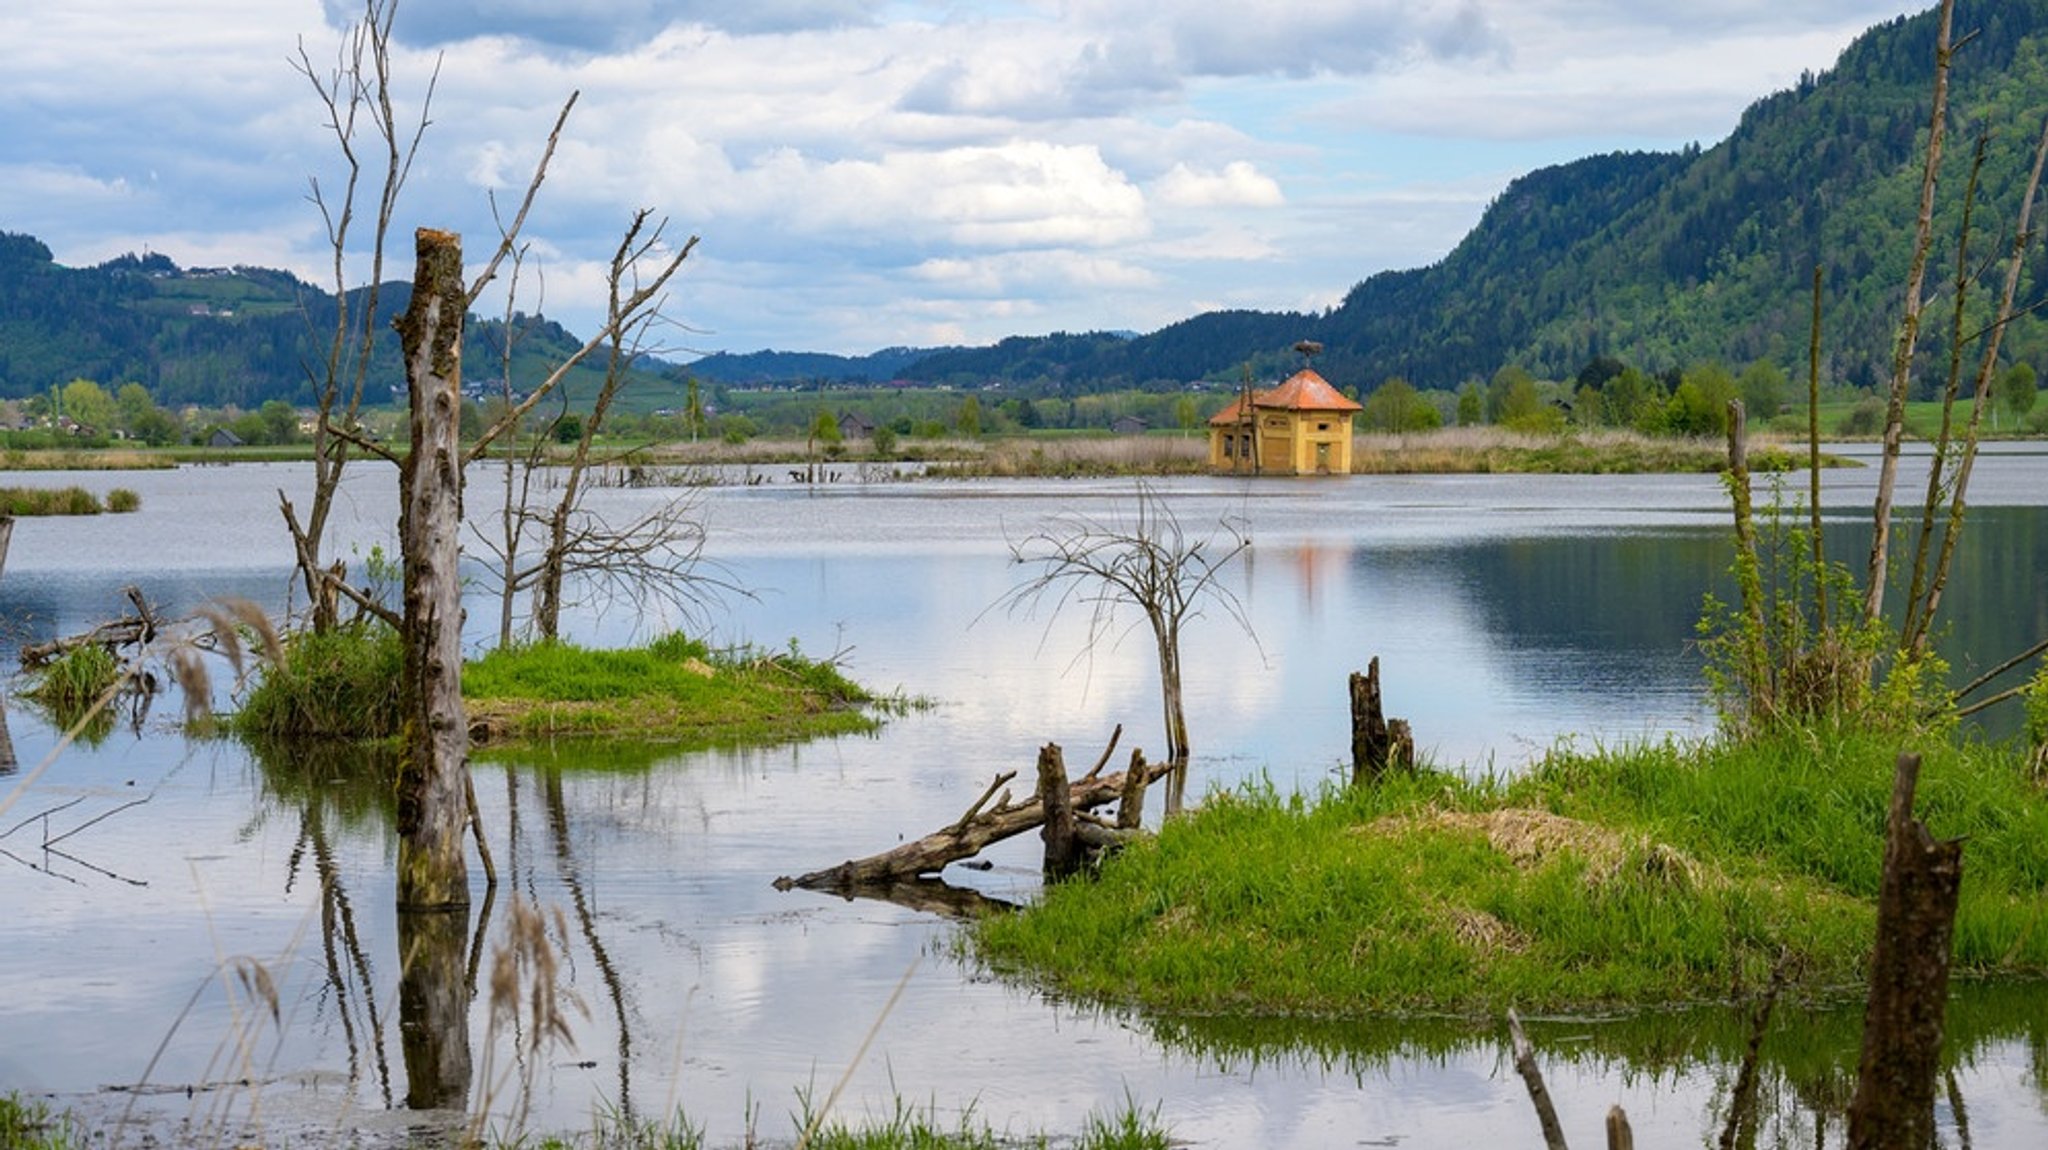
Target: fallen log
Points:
(135, 630)
(978, 829)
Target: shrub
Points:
(1866, 418)
(122, 500)
(340, 684)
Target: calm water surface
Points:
(1507, 612)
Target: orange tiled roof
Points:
(1303, 391)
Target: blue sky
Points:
(864, 173)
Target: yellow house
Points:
(1302, 427)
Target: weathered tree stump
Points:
(433, 808)
(1377, 743)
(1062, 849)
(1893, 1108)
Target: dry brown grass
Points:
(1532, 838)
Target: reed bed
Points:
(1628, 878)
(68, 459)
(25, 501)
(1064, 458)
(1493, 450)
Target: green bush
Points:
(122, 500)
(1866, 418)
(341, 684)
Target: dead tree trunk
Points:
(977, 830)
(1062, 849)
(1377, 742)
(432, 799)
(1902, 1024)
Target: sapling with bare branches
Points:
(1150, 564)
(357, 95)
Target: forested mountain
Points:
(787, 366)
(1664, 260)
(217, 336)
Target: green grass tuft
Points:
(675, 689)
(26, 1125)
(70, 683)
(48, 501)
(341, 684)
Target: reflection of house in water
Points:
(1302, 427)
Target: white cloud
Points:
(866, 173)
(1238, 185)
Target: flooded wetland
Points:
(145, 875)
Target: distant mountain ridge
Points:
(771, 367)
(227, 336)
(1661, 260)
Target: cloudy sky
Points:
(867, 173)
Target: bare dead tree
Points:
(662, 547)
(1909, 324)
(1150, 564)
(655, 559)
(1947, 496)
(504, 546)
(357, 96)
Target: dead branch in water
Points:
(981, 827)
(136, 630)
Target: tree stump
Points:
(1903, 1021)
(1062, 846)
(1377, 743)
(433, 806)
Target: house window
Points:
(1322, 427)
(1229, 446)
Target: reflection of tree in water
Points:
(1808, 1061)
(352, 785)
(571, 876)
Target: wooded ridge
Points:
(1661, 260)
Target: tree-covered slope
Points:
(1665, 260)
(220, 336)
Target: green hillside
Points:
(1664, 260)
(220, 336)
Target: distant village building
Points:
(1302, 427)
(1129, 425)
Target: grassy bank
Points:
(674, 690)
(1645, 876)
(26, 1124)
(1491, 450)
(85, 459)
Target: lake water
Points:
(1507, 612)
